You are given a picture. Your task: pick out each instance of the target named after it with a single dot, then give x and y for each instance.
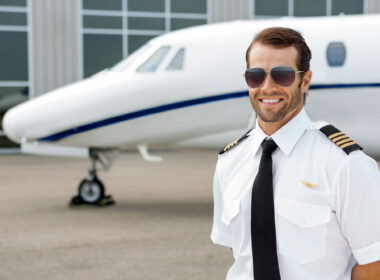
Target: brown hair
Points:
(280, 37)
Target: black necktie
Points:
(263, 229)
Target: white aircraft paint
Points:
(206, 103)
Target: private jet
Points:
(186, 89)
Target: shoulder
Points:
(340, 139)
(235, 143)
(334, 138)
(234, 157)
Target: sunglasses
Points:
(282, 75)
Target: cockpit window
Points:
(152, 63)
(177, 61)
(124, 64)
(336, 54)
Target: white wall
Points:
(55, 44)
(373, 6)
(226, 10)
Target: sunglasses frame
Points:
(270, 71)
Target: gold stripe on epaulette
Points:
(343, 141)
(339, 138)
(347, 144)
(229, 146)
(335, 135)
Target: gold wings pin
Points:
(309, 185)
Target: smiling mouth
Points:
(270, 100)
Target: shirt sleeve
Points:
(220, 233)
(358, 197)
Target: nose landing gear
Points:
(91, 190)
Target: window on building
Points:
(177, 61)
(129, 24)
(179, 23)
(100, 51)
(347, 7)
(136, 41)
(13, 56)
(11, 96)
(146, 23)
(306, 8)
(14, 76)
(186, 6)
(152, 63)
(109, 5)
(112, 22)
(17, 3)
(271, 7)
(336, 54)
(146, 5)
(18, 19)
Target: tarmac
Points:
(159, 227)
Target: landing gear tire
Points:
(91, 191)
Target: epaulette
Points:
(234, 143)
(340, 139)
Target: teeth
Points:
(270, 100)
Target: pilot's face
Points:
(273, 102)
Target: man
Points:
(318, 217)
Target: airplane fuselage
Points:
(205, 103)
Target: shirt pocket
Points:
(302, 230)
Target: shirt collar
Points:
(287, 136)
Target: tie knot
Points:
(268, 146)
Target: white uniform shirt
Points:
(327, 204)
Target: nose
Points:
(268, 84)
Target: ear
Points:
(306, 81)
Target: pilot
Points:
(294, 199)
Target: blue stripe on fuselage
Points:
(173, 106)
(142, 113)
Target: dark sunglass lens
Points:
(254, 77)
(283, 75)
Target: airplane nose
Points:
(10, 124)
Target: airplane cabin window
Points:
(124, 64)
(336, 54)
(152, 63)
(177, 61)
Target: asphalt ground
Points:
(159, 227)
